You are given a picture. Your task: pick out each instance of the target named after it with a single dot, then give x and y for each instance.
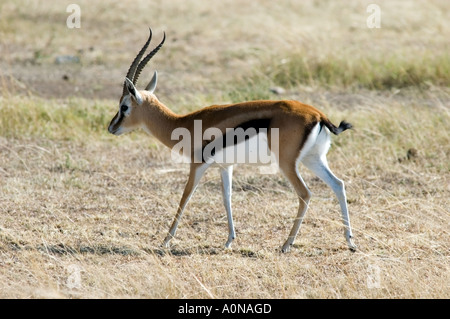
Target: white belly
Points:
(254, 150)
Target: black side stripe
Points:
(224, 142)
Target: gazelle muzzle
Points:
(115, 123)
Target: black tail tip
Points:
(337, 130)
(344, 126)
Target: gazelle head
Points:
(127, 118)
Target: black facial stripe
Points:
(120, 118)
(117, 124)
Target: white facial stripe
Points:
(126, 101)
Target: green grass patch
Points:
(384, 135)
(255, 86)
(398, 127)
(382, 72)
(71, 119)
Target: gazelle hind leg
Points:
(195, 174)
(318, 165)
(290, 170)
(226, 175)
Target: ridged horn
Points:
(144, 61)
(134, 65)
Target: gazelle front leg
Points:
(195, 174)
(227, 175)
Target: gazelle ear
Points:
(132, 90)
(151, 86)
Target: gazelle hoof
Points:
(351, 245)
(286, 247)
(166, 241)
(229, 241)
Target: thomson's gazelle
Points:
(303, 137)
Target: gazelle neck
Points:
(158, 119)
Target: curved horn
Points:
(133, 66)
(145, 60)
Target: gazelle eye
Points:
(123, 108)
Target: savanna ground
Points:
(83, 213)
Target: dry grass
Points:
(104, 205)
(75, 200)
